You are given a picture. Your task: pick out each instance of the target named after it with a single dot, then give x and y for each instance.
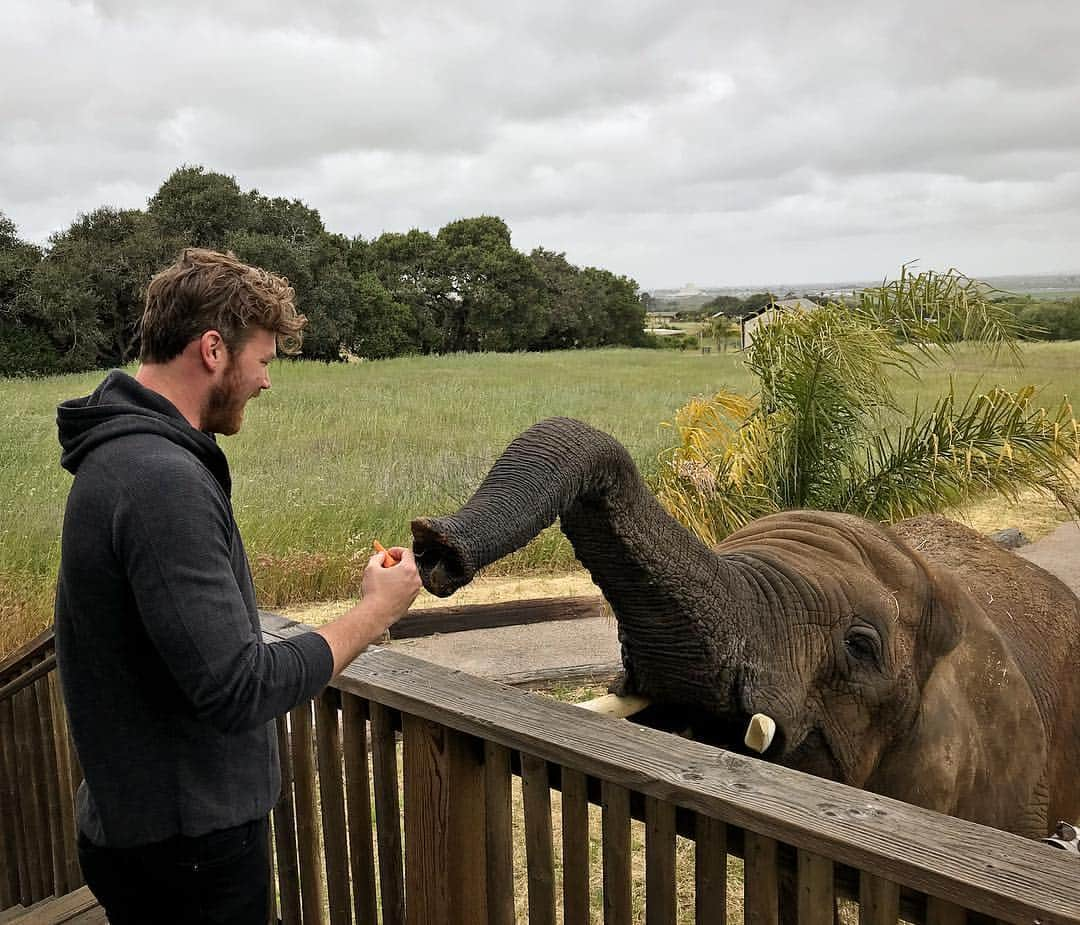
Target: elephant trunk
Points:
(668, 590)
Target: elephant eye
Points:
(863, 643)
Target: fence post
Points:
(445, 856)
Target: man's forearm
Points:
(350, 634)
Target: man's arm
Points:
(388, 592)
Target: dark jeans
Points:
(222, 876)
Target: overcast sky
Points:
(718, 143)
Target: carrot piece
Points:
(389, 561)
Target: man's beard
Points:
(223, 412)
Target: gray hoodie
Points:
(170, 690)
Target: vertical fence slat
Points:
(879, 900)
(710, 871)
(575, 841)
(539, 848)
(10, 825)
(617, 876)
(387, 814)
(272, 914)
(288, 866)
(61, 748)
(29, 797)
(358, 805)
(51, 786)
(18, 824)
(307, 815)
(445, 868)
(76, 766)
(659, 862)
(816, 895)
(331, 789)
(500, 835)
(761, 887)
(943, 912)
(39, 749)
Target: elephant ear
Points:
(944, 618)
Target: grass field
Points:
(336, 456)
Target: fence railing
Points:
(417, 794)
(39, 772)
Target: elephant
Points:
(921, 662)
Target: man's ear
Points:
(212, 350)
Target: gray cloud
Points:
(764, 141)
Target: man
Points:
(170, 690)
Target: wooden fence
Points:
(372, 831)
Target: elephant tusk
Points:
(760, 732)
(614, 705)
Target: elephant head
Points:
(812, 635)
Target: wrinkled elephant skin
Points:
(922, 662)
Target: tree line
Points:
(1046, 319)
(74, 304)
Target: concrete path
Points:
(1058, 553)
(570, 651)
(589, 649)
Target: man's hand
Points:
(391, 589)
(387, 595)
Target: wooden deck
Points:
(396, 806)
(78, 908)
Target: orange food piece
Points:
(389, 561)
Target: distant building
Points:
(751, 323)
(689, 291)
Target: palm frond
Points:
(939, 309)
(709, 480)
(814, 436)
(996, 441)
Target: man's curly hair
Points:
(209, 291)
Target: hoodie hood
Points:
(120, 406)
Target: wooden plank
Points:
(307, 815)
(28, 677)
(539, 847)
(9, 719)
(500, 835)
(1015, 879)
(358, 805)
(660, 903)
(332, 792)
(942, 912)
(816, 896)
(61, 745)
(444, 620)
(73, 906)
(710, 871)
(590, 673)
(285, 848)
(9, 821)
(387, 814)
(273, 915)
(575, 845)
(445, 867)
(761, 889)
(615, 801)
(29, 794)
(879, 900)
(41, 752)
(15, 662)
(51, 786)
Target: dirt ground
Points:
(481, 591)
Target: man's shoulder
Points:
(143, 461)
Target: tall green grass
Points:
(336, 456)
